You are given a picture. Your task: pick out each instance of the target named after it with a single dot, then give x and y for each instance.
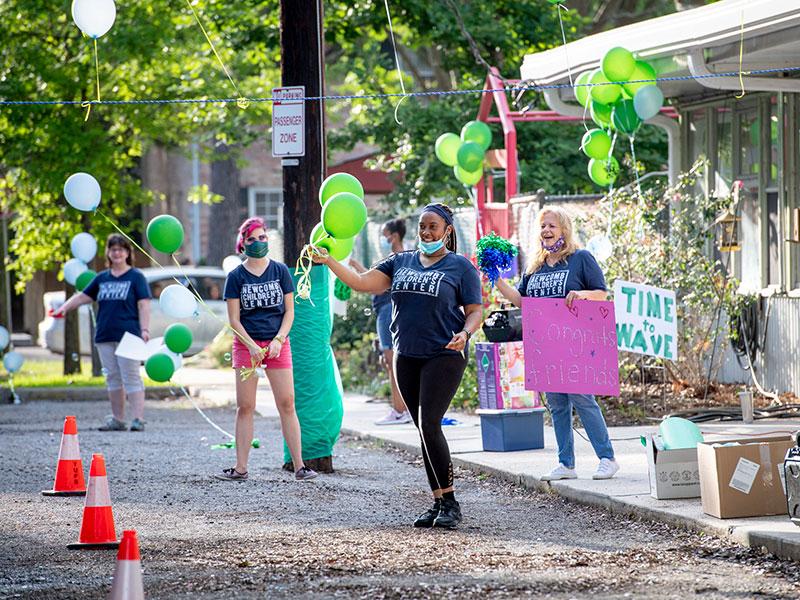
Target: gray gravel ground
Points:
(347, 535)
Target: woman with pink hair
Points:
(260, 297)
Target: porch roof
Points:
(771, 41)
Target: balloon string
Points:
(741, 58)
(241, 101)
(202, 414)
(87, 104)
(564, 39)
(397, 63)
(640, 224)
(303, 269)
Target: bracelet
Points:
(280, 338)
(145, 329)
(469, 335)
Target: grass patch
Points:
(50, 373)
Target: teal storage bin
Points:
(506, 430)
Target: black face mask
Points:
(257, 249)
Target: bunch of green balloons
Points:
(465, 153)
(624, 93)
(344, 215)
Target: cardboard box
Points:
(672, 473)
(743, 479)
(501, 377)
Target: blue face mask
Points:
(430, 247)
(386, 245)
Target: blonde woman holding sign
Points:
(558, 269)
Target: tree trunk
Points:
(72, 349)
(226, 216)
(5, 279)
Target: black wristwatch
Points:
(469, 335)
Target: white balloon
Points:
(82, 191)
(230, 263)
(177, 301)
(13, 361)
(72, 268)
(4, 337)
(177, 359)
(601, 248)
(94, 17)
(648, 102)
(84, 247)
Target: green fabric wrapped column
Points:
(317, 384)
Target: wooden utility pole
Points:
(302, 64)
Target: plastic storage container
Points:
(512, 429)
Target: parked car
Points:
(208, 281)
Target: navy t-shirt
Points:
(117, 298)
(381, 300)
(261, 305)
(577, 272)
(427, 301)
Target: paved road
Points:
(345, 535)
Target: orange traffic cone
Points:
(97, 528)
(128, 572)
(69, 471)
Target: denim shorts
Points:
(384, 320)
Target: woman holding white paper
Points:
(558, 269)
(123, 305)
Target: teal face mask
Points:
(430, 247)
(257, 249)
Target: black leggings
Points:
(427, 386)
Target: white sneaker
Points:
(395, 418)
(606, 469)
(560, 472)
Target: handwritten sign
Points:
(647, 322)
(570, 350)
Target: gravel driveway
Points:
(346, 535)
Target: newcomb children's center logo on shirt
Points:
(417, 282)
(114, 290)
(261, 295)
(548, 285)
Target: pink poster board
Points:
(571, 350)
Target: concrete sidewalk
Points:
(627, 493)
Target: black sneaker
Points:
(231, 475)
(449, 514)
(427, 518)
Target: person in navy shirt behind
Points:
(436, 307)
(123, 305)
(259, 294)
(558, 269)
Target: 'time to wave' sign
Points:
(570, 350)
(288, 122)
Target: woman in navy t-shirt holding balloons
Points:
(436, 307)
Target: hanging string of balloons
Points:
(465, 153)
(618, 96)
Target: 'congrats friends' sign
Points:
(570, 350)
(646, 320)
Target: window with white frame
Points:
(266, 203)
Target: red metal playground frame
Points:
(496, 216)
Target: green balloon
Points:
(159, 367)
(84, 279)
(601, 114)
(343, 215)
(178, 338)
(468, 177)
(581, 89)
(596, 144)
(618, 64)
(624, 117)
(478, 132)
(165, 233)
(446, 148)
(603, 172)
(338, 249)
(604, 92)
(642, 70)
(470, 156)
(338, 183)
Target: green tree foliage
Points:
(154, 50)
